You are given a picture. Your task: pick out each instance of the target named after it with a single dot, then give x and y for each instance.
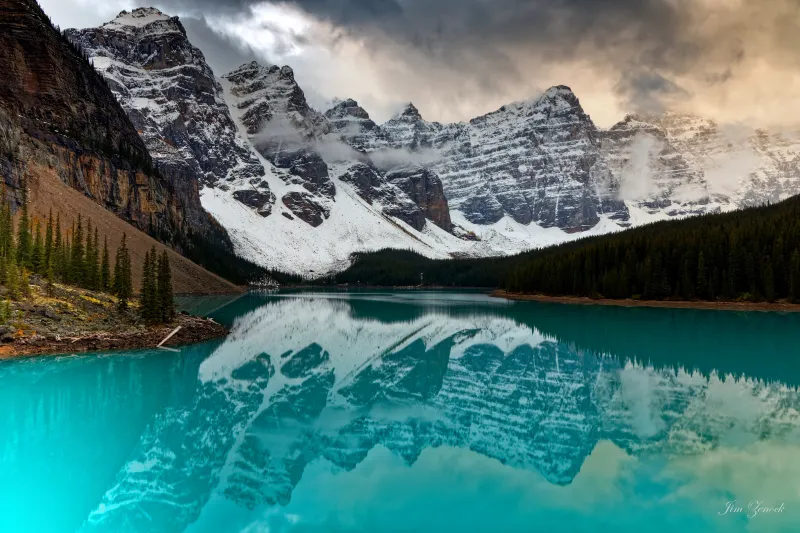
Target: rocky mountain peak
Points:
(254, 70)
(141, 13)
(559, 91)
(287, 73)
(248, 71)
(347, 108)
(172, 97)
(277, 92)
(142, 17)
(409, 113)
(635, 122)
(560, 100)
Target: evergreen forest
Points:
(747, 255)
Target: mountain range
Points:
(300, 191)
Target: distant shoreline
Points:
(781, 307)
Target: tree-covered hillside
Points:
(752, 254)
(404, 268)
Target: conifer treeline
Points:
(749, 255)
(157, 301)
(77, 258)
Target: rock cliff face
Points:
(537, 161)
(544, 163)
(373, 188)
(425, 189)
(283, 128)
(64, 117)
(693, 165)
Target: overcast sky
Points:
(733, 60)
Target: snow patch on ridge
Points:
(295, 247)
(138, 18)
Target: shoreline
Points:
(193, 330)
(765, 307)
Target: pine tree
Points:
(6, 227)
(13, 281)
(58, 250)
(24, 282)
(165, 294)
(91, 266)
(149, 292)
(94, 265)
(123, 288)
(24, 242)
(105, 268)
(48, 245)
(37, 253)
(77, 261)
(87, 273)
(702, 277)
(794, 277)
(116, 283)
(67, 255)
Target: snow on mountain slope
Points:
(254, 147)
(679, 165)
(536, 161)
(280, 243)
(544, 162)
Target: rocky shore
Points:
(65, 320)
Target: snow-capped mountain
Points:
(171, 96)
(281, 394)
(727, 167)
(536, 161)
(292, 197)
(300, 191)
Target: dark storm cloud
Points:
(647, 91)
(480, 34)
(645, 47)
(221, 53)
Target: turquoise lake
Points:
(414, 412)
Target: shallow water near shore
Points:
(414, 411)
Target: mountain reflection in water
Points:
(511, 410)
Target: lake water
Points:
(414, 412)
